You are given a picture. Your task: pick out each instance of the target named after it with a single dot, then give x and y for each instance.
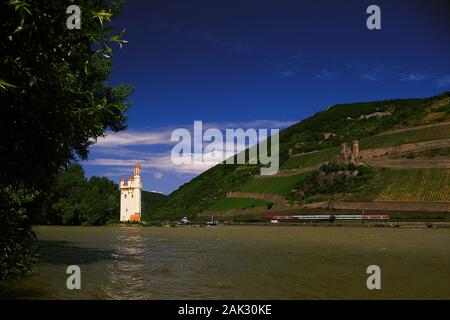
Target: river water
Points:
(238, 263)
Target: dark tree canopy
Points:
(55, 102)
(75, 200)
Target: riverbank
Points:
(353, 224)
(340, 224)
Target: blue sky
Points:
(261, 64)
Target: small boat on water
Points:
(184, 221)
(212, 222)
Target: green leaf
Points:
(5, 85)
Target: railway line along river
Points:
(238, 262)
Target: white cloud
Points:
(155, 162)
(371, 76)
(154, 191)
(444, 81)
(115, 173)
(158, 161)
(373, 71)
(158, 175)
(117, 153)
(288, 73)
(257, 124)
(132, 137)
(415, 77)
(161, 162)
(326, 75)
(163, 135)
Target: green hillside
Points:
(273, 185)
(237, 203)
(414, 185)
(399, 138)
(203, 191)
(309, 159)
(150, 200)
(345, 121)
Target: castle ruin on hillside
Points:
(348, 155)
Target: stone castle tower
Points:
(130, 197)
(355, 149)
(348, 155)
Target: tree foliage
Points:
(333, 179)
(55, 102)
(75, 200)
(17, 256)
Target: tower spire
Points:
(137, 169)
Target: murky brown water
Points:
(239, 263)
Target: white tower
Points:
(130, 197)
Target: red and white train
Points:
(328, 217)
